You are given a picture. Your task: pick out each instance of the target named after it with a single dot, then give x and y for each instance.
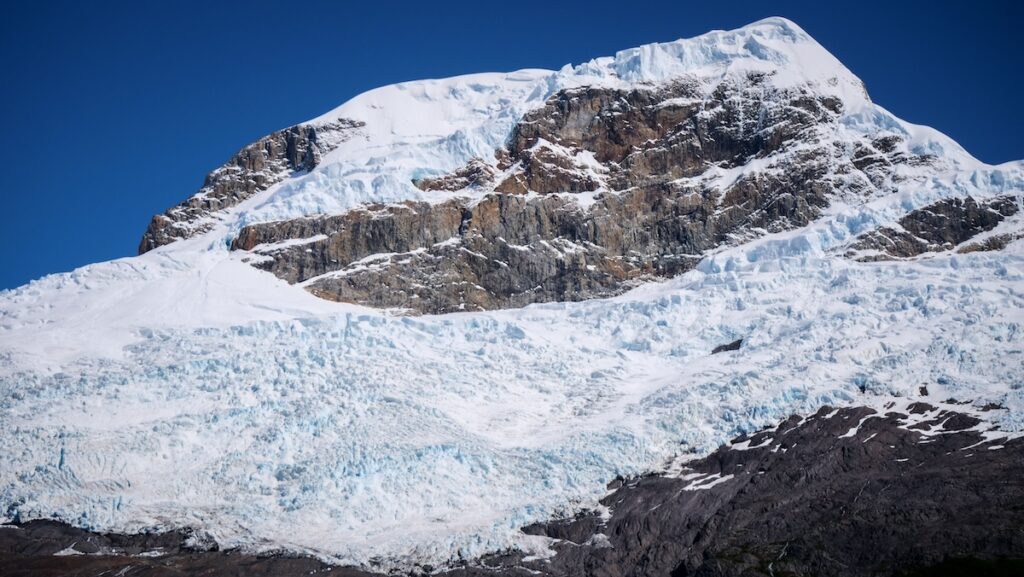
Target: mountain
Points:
(398, 334)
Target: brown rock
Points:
(253, 169)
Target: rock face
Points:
(846, 492)
(942, 226)
(641, 137)
(476, 174)
(595, 191)
(253, 169)
(733, 346)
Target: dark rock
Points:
(733, 346)
(47, 548)
(971, 567)
(810, 498)
(939, 227)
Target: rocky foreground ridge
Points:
(913, 489)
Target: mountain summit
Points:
(432, 127)
(281, 369)
(496, 191)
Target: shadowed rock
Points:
(845, 492)
(733, 346)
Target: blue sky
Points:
(114, 111)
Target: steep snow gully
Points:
(185, 388)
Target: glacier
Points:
(183, 388)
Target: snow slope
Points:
(185, 388)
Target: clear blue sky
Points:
(114, 111)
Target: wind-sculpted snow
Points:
(363, 436)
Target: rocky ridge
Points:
(577, 184)
(596, 191)
(253, 169)
(942, 226)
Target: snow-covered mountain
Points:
(278, 369)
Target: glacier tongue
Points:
(361, 436)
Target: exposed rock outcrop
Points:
(511, 250)
(848, 492)
(596, 190)
(476, 174)
(733, 346)
(48, 548)
(939, 227)
(844, 492)
(253, 169)
(650, 136)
